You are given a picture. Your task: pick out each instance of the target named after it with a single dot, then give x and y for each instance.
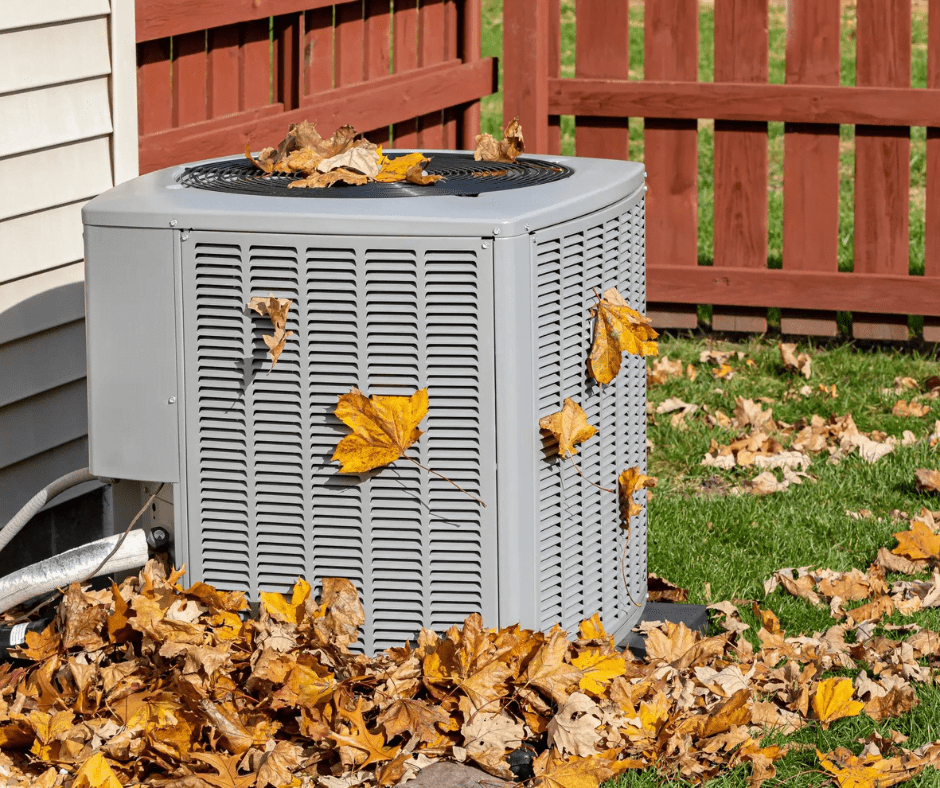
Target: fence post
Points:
(882, 160)
(811, 160)
(525, 69)
(670, 151)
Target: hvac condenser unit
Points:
(478, 287)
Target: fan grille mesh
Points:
(462, 177)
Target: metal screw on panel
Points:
(171, 400)
(495, 231)
(486, 245)
(172, 222)
(527, 228)
(645, 173)
(185, 235)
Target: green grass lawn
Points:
(721, 545)
(493, 115)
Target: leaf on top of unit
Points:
(383, 427)
(506, 150)
(618, 329)
(276, 309)
(569, 426)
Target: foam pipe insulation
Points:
(71, 566)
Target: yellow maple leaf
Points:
(919, 542)
(383, 427)
(598, 669)
(96, 772)
(282, 610)
(592, 628)
(397, 169)
(618, 329)
(833, 700)
(569, 426)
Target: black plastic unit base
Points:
(693, 616)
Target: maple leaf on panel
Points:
(919, 542)
(276, 309)
(383, 427)
(618, 329)
(569, 426)
(598, 669)
(628, 483)
(833, 701)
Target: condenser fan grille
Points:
(462, 177)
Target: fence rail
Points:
(882, 106)
(213, 76)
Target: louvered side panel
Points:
(267, 504)
(580, 539)
(218, 451)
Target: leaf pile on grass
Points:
(154, 684)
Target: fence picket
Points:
(741, 54)
(189, 78)
(671, 152)
(932, 212)
(318, 52)
(287, 43)
(882, 159)
(811, 160)
(405, 135)
(222, 74)
(470, 20)
(154, 99)
(348, 40)
(377, 48)
(431, 51)
(451, 51)
(602, 51)
(254, 83)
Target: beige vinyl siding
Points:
(68, 131)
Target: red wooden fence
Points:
(882, 106)
(215, 74)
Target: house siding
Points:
(68, 131)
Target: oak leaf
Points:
(371, 746)
(569, 426)
(618, 329)
(276, 309)
(919, 542)
(383, 427)
(226, 768)
(833, 700)
(598, 669)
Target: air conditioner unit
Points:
(478, 287)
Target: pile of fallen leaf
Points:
(344, 159)
(782, 452)
(154, 684)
